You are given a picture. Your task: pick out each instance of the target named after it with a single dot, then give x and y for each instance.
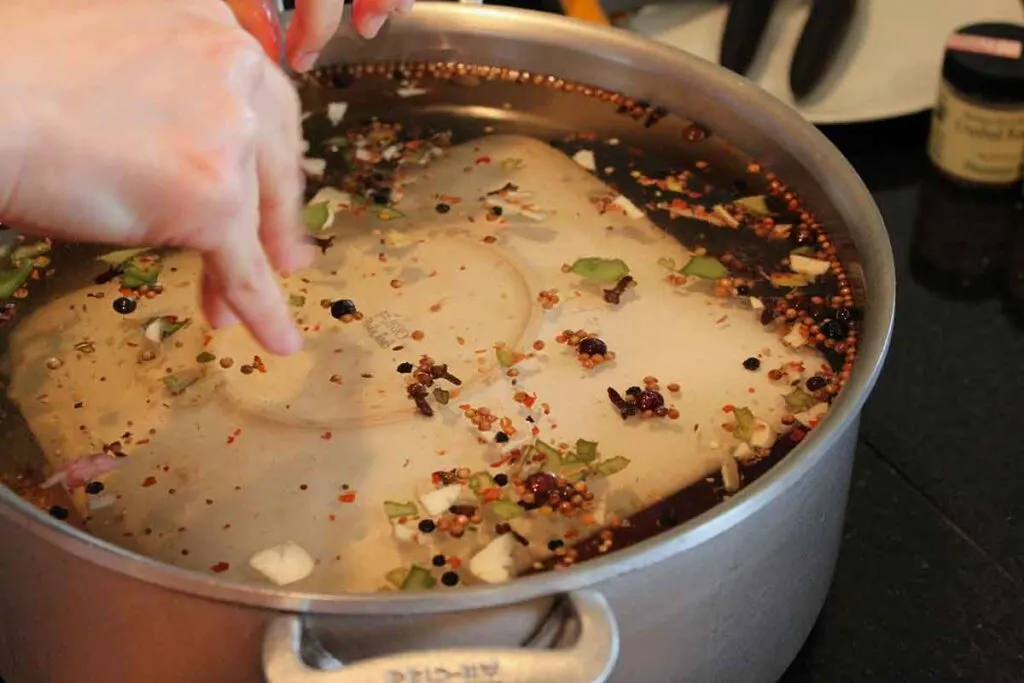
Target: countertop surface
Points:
(930, 581)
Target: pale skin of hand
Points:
(101, 140)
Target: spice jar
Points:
(977, 131)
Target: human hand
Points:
(313, 24)
(134, 122)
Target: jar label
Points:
(976, 143)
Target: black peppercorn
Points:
(442, 208)
(438, 561)
(343, 307)
(501, 479)
(501, 437)
(405, 368)
(816, 383)
(426, 525)
(125, 305)
(450, 579)
(752, 364)
(94, 488)
(58, 512)
(555, 544)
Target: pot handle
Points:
(590, 659)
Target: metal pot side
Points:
(729, 596)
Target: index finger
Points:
(313, 24)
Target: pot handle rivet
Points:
(590, 659)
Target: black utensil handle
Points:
(744, 29)
(823, 34)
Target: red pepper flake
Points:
(483, 160)
(257, 363)
(148, 481)
(326, 436)
(454, 562)
(751, 390)
(207, 338)
(349, 497)
(332, 517)
(728, 408)
(572, 533)
(797, 435)
(220, 567)
(465, 406)
(722, 320)
(142, 442)
(535, 431)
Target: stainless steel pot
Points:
(729, 596)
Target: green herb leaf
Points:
(116, 258)
(790, 280)
(418, 579)
(30, 251)
(512, 164)
(666, 262)
(138, 273)
(547, 451)
(798, 400)
(169, 324)
(505, 357)
(745, 423)
(396, 576)
(601, 270)
(755, 205)
(612, 465)
(396, 510)
(480, 482)
(317, 216)
(296, 300)
(506, 509)
(177, 384)
(205, 357)
(12, 280)
(586, 450)
(386, 213)
(707, 267)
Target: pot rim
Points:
(818, 155)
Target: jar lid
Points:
(987, 60)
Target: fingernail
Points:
(404, 6)
(291, 342)
(305, 61)
(373, 25)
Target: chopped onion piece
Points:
(731, 475)
(283, 564)
(585, 158)
(336, 112)
(813, 415)
(439, 500)
(411, 92)
(313, 167)
(756, 304)
(494, 563)
(726, 217)
(743, 452)
(807, 265)
(409, 534)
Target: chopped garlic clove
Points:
(283, 564)
(796, 338)
(336, 112)
(807, 265)
(585, 158)
(763, 436)
(627, 207)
